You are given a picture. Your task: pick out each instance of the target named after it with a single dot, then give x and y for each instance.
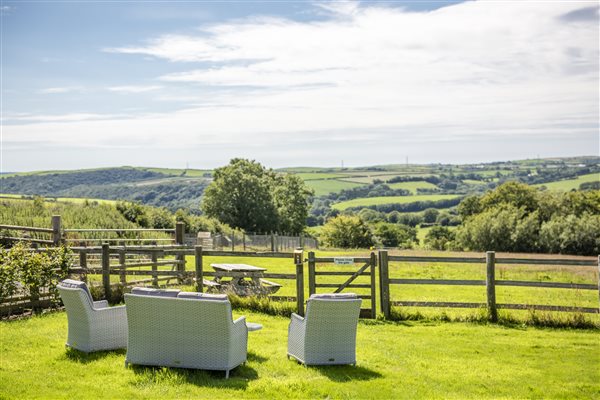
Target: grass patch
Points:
(570, 184)
(412, 186)
(410, 359)
(326, 186)
(372, 201)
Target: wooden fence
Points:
(367, 269)
(490, 283)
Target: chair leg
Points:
(227, 374)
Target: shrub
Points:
(31, 272)
(346, 231)
(439, 238)
(396, 235)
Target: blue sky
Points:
(108, 83)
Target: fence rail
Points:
(490, 283)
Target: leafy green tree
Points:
(470, 205)
(396, 235)
(430, 215)
(246, 195)
(240, 196)
(571, 234)
(346, 231)
(516, 194)
(291, 195)
(490, 230)
(438, 238)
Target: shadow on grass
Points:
(252, 356)
(346, 373)
(85, 358)
(238, 377)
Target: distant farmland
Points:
(372, 201)
(569, 184)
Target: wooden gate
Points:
(348, 266)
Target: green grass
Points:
(312, 176)
(570, 184)
(395, 360)
(325, 186)
(412, 186)
(75, 200)
(371, 201)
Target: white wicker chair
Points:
(194, 330)
(327, 336)
(93, 326)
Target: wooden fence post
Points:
(106, 270)
(232, 240)
(244, 241)
(300, 287)
(83, 265)
(199, 274)
(312, 281)
(272, 242)
(154, 257)
(373, 286)
(56, 230)
(490, 283)
(179, 233)
(384, 283)
(599, 279)
(122, 275)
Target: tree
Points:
(438, 238)
(291, 200)
(519, 195)
(346, 231)
(430, 215)
(396, 235)
(246, 195)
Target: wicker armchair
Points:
(93, 326)
(327, 335)
(193, 330)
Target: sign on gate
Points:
(343, 260)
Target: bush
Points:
(439, 238)
(346, 231)
(30, 272)
(395, 235)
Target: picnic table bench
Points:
(246, 280)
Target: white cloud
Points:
(371, 75)
(134, 89)
(60, 90)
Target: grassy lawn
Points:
(569, 184)
(371, 201)
(395, 360)
(412, 186)
(325, 186)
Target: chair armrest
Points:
(113, 312)
(240, 320)
(100, 304)
(297, 318)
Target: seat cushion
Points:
(334, 296)
(74, 284)
(202, 296)
(145, 291)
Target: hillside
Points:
(333, 187)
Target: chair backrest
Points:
(332, 321)
(164, 315)
(76, 297)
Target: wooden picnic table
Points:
(246, 280)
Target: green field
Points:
(326, 186)
(412, 186)
(371, 201)
(394, 360)
(310, 176)
(570, 184)
(74, 200)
